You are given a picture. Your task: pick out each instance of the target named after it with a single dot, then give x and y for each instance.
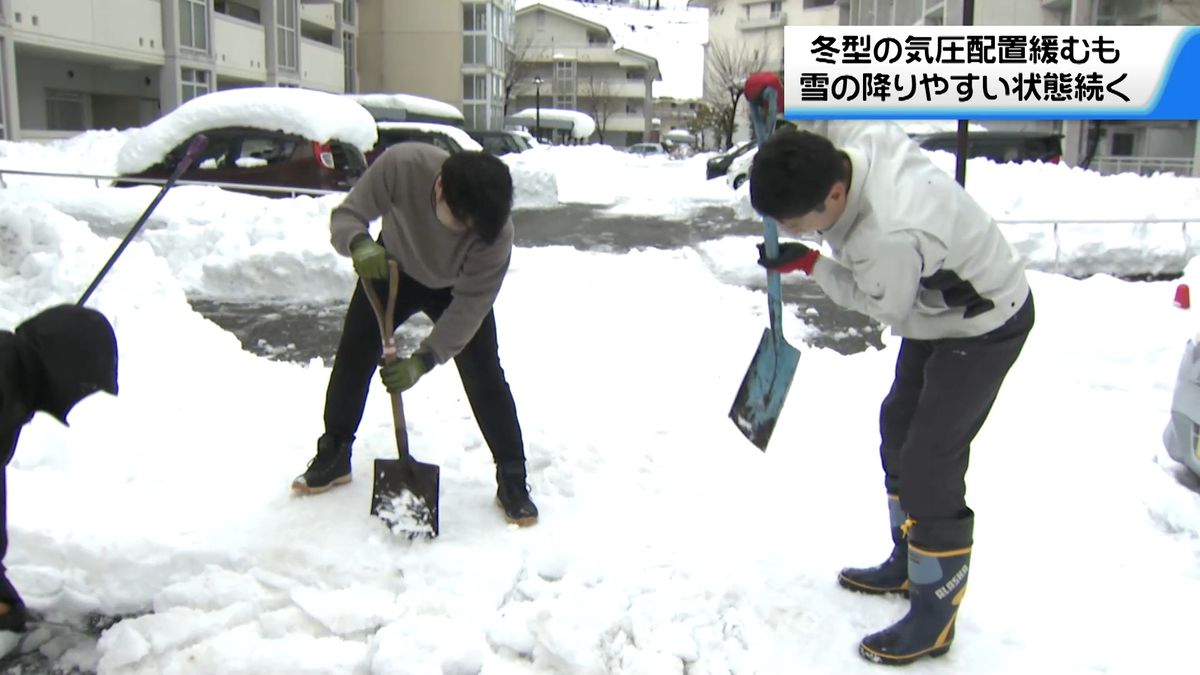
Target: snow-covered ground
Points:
(667, 543)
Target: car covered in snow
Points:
(501, 142)
(451, 139)
(271, 141)
(647, 150)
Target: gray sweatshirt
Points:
(399, 187)
(913, 249)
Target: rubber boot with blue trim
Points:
(939, 557)
(890, 576)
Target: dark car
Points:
(718, 166)
(500, 142)
(999, 146)
(451, 139)
(244, 155)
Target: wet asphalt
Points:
(303, 331)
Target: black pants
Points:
(939, 400)
(478, 364)
(8, 594)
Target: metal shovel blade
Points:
(765, 387)
(405, 496)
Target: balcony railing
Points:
(1144, 166)
(761, 22)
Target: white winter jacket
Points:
(914, 250)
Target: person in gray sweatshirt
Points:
(445, 219)
(913, 250)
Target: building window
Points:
(350, 59)
(238, 10)
(474, 87)
(475, 115)
(475, 18)
(193, 24)
(348, 11)
(193, 83)
(474, 50)
(65, 110)
(776, 8)
(286, 48)
(1122, 145)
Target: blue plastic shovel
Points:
(764, 389)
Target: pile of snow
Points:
(534, 185)
(312, 114)
(667, 543)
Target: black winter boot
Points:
(13, 614)
(329, 468)
(512, 494)
(939, 557)
(890, 576)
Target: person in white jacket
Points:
(913, 250)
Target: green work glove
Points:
(403, 374)
(370, 259)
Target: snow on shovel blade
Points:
(405, 496)
(765, 387)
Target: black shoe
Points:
(13, 617)
(891, 576)
(512, 494)
(331, 466)
(937, 573)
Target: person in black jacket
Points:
(51, 362)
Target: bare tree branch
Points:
(600, 101)
(726, 68)
(518, 67)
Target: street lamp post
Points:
(537, 103)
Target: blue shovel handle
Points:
(762, 129)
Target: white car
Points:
(647, 149)
(739, 169)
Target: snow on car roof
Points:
(461, 137)
(410, 104)
(313, 114)
(582, 124)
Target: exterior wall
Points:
(240, 48)
(412, 47)
(321, 67)
(121, 61)
(124, 29)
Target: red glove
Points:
(792, 257)
(757, 85)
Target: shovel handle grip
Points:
(385, 316)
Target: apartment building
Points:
(571, 62)
(455, 51)
(756, 26)
(1105, 146)
(72, 65)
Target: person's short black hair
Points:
(793, 172)
(478, 189)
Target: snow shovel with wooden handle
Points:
(405, 494)
(764, 388)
